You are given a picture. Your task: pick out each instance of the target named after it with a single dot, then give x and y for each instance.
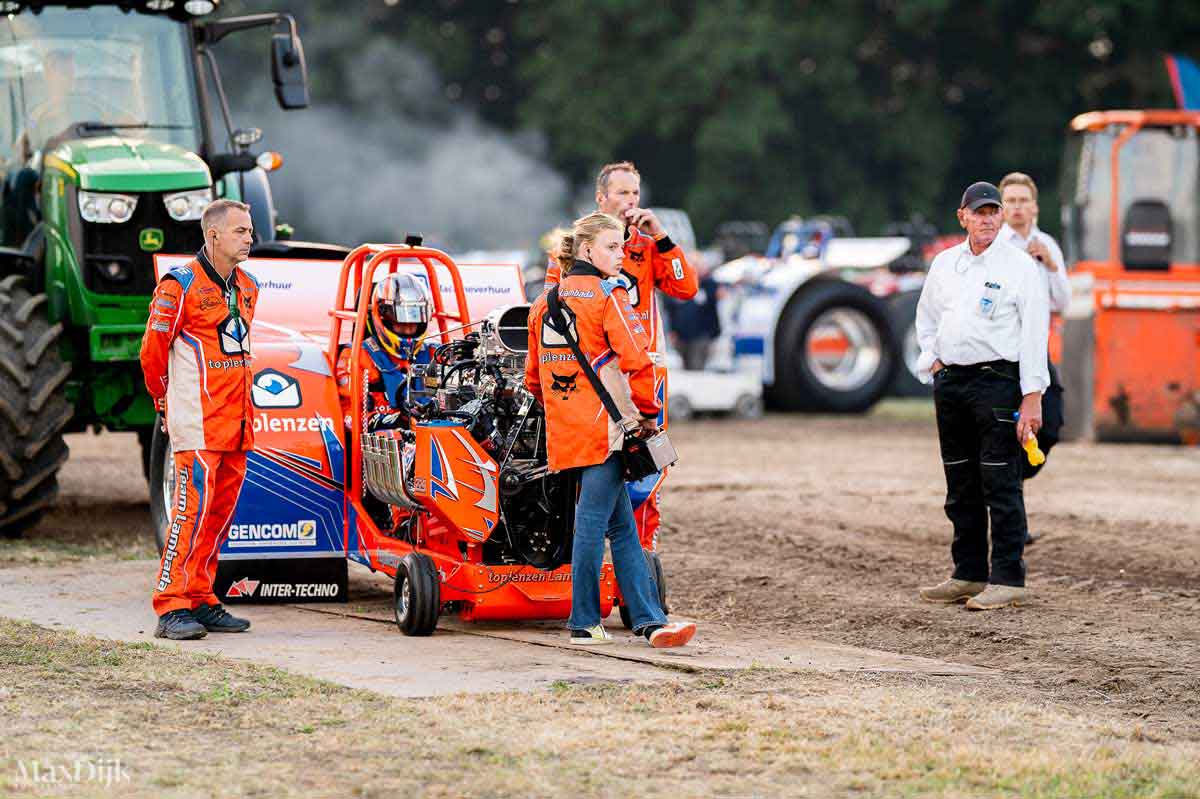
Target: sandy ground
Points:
(830, 525)
(825, 527)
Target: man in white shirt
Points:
(983, 322)
(1019, 198)
(1019, 195)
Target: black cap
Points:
(981, 193)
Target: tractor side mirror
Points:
(288, 71)
(224, 163)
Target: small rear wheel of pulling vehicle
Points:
(145, 436)
(161, 462)
(418, 595)
(834, 352)
(656, 573)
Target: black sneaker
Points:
(179, 625)
(218, 620)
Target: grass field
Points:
(193, 725)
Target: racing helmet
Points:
(400, 311)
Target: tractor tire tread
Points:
(33, 407)
(44, 340)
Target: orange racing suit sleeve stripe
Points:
(166, 318)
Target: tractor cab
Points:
(115, 133)
(1131, 192)
(1130, 342)
(89, 98)
(70, 75)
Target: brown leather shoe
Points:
(951, 591)
(997, 596)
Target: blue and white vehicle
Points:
(820, 342)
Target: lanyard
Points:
(234, 314)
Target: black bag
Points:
(640, 457)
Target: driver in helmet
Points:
(397, 321)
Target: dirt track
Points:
(830, 525)
(825, 527)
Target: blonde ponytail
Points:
(585, 230)
(564, 251)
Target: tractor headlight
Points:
(106, 208)
(199, 7)
(187, 206)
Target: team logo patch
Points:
(564, 385)
(233, 333)
(634, 296)
(273, 389)
(150, 239)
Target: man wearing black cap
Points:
(983, 322)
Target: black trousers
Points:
(982, 460)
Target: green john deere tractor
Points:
(114, 134)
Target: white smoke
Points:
(404, 161)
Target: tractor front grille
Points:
(106, 243)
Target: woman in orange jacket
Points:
(582, 435)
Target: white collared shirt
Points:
(1057, 282)
(987, 307)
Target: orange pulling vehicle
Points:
(488, 533)
(1130, 343)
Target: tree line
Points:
(759, 109)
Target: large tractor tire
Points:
(834, 350)
(903, 311)
(33, 407)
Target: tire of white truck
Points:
(902, 308)
(834, 350)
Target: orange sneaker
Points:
(677, 633)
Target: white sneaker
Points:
(676, 633)
(592, 636)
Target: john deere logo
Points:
(151, 239)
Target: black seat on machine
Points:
(1146, 236)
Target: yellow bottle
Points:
(1033, 452)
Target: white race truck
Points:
(820, 342)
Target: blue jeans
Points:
(604, 510)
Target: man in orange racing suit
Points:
(652, 261)
(196, 362)
(398, 318)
